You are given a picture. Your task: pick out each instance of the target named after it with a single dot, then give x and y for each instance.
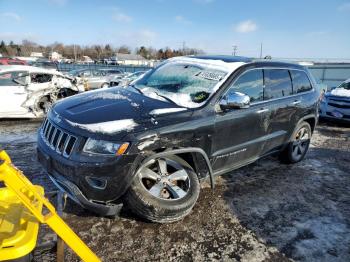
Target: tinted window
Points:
(301, 82)
(277, 83)
(251, 84)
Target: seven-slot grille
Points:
(57, 139)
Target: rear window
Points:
(301, 82)
(277, 83)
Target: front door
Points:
(239, 133)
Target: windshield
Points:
(186, 84)
(345, 85)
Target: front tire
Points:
(164, 190)
(105, 85)
(299, 144)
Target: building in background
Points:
(37, 54)
(131, 59)
(55, 56)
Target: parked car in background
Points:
(112, 61)
(29, 92)
(95, 78)
(11, 61)
(44, 63)
(335, 103)
(125, 79)
(190, 118)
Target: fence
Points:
(63, 67)
(331, 74)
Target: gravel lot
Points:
(263, 212)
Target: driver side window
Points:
(250, 83)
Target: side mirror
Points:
(235, 100)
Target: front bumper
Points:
(95, 186)
(334, 111)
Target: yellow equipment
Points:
(21, 211)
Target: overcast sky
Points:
(294, 29)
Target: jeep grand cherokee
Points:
(150, 144)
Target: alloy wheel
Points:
(165, 179)
(301, 142)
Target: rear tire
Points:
(299, 144)
(153, 197)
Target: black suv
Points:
(150, 144)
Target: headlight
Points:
(101, 147)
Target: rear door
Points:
(13, 93)
(239, 133)
(280, 104)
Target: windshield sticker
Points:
(210, 75)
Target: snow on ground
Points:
(263, 212)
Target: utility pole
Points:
(261, 50)
(234, 51)
(75, 53)
(183, 47)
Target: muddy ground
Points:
(263, 212)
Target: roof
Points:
(129, 57)
(4, 68)
(225, 58)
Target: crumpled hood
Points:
(110, 112)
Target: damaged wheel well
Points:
(195, 157)
(197, 162)
(312, 122)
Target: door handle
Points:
(296, 102)
(262, 110)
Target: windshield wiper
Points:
(166, 98)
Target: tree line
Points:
(95, 52)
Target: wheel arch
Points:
(195, 157)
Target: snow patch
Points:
(147, 143)
(107, 95)
(340, 92)
(161, 111)
(109, 127)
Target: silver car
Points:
(95, 78)
(125, 79)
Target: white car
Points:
(29, 92)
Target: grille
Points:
(340, 103)
(60, 141)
